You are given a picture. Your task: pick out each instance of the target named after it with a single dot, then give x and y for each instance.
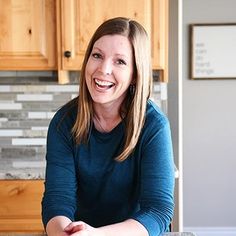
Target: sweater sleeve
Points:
(157, 180)
(60, 181)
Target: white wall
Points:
(209, 131)
(173, 95)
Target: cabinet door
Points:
(20, 208)
(27, 35)
(80, 18)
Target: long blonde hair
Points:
(134, 104)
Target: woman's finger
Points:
(75, 226)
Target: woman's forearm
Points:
(129, 227)
(55, 227)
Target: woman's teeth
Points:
(103, 84)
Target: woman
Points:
(109, 153)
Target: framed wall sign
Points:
(213, 51)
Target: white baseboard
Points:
(212, 231)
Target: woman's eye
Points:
(121, 62)
(96, 55)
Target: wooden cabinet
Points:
(78, 19)
(35, 34)
(27, 35)
(20, 208)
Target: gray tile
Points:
(7, 74)
(34, 73)
(14, 115)
(7, 97)
(11, 152)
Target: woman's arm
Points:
(60, 195)
(157, 178)
(56, 226)
(129, 227)
(62, 226)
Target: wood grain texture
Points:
(27, 35)
(80, 18)
(20, 208)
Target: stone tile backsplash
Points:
(25, 112)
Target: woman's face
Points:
(109, 70)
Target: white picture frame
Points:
(213, 51)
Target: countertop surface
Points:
(179, 234)
(166, 234)
(22, 173)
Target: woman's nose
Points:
(106, 67)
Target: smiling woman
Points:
(109, 73)
(110, 167)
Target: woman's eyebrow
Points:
(98, 49)
(117, 54)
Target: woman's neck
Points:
(106, 118)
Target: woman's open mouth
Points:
(101, 84)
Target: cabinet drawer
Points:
(20, 208)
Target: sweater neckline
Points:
(115, 130)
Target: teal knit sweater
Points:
(84, 182)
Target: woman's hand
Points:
(75, 227)
(80, 228)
